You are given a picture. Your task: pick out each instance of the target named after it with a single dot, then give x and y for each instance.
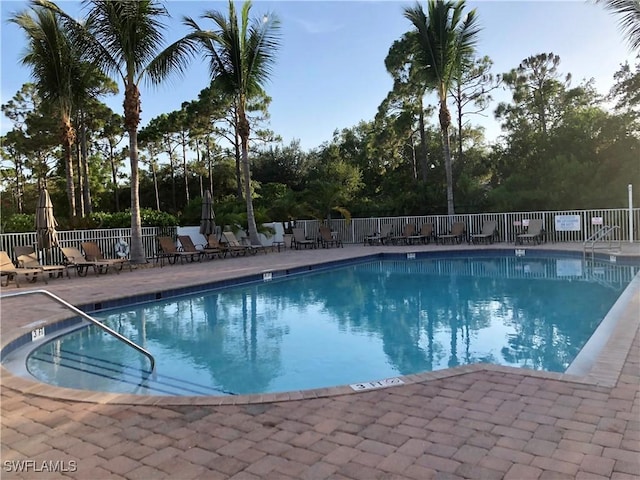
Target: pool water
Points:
(356, 323)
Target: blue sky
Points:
(330, 69)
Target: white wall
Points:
(198, 238)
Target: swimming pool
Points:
(365, 321)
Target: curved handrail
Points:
(89, 318)
(599, 236)
(601, 233)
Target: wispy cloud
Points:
(315, 27)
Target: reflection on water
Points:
(351, 324)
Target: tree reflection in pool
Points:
(345, 325)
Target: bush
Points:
(19, 222)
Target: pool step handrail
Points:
(600, 235)
(88, 318)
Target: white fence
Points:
(106, 238)
(575, 226)
(509, 224)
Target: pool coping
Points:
(603, 371)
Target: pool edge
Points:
(605, 370)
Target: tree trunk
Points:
(137, 254)
(251, 218)
(445, 121)
(459, 112)
(67, 138)
(80, 186)
(184, 168)
(114, 177)
(131, 122)
(210, 165)
(174, 202)
(238, 173)
(423, 145)
(84, 161)
(155, 184)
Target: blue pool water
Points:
(356, 323)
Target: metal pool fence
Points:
(106, 238)
(583, 223)
(576, 226)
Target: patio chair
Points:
(214, 247)
(74, 258)
(187, 246)
(489, 231)
(92, 252)
(408, 231)
(427, 233)
(534, 232)
(327, 239)
(456, 235)
(300, 240)
(258, 247)
(236, 248)
(170, 252)
(28, 258)
(9, 270)
(381, 237)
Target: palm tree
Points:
(629, 10)
(444, 37)
(55, 68)
(123, 38)
(241, 53)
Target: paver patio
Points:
(468, 422)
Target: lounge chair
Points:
(379, 238)
(300, 240)
(425, 235)
(534, 232)
(92, 252)
(326, 239)
(74, 258)
(28, 258)
(456, 235)
(187, 245)
(489, 231)
(214, 247)
(170, 252)
(408, 231)
(8, 269)
(236, 248)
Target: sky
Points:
(330, 74)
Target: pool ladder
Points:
(88, 318)
(601, 235)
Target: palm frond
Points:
(629, 21)
(444, 35)
(51, 56)
(131, 33)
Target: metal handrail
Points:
(599, 235)
(89, 318)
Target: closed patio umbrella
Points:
(208, 217)
(45, 222)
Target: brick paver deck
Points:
(469, 422)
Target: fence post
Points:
(630, 191)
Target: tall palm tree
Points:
(241, 52)
(445, 36)
(55, 68)
(629, 23)
(123, 38)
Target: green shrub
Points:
(19, 222)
